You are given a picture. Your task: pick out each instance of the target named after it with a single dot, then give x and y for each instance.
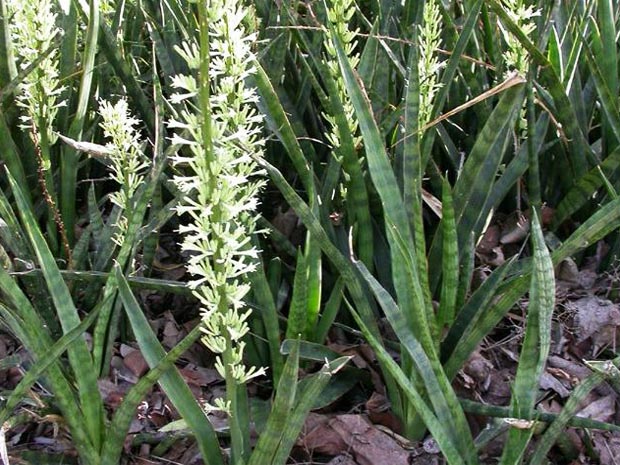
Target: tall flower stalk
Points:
(344, 136)
(219, 132)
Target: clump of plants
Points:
(396, 137)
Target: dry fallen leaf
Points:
(136, 363)
(597, 319)
(342, 460)
(607, 445)
(550, 382)
(602, 409)
(478, 369)
(380, 412)
(355, 435)
(515, 229)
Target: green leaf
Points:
(357, 202)
(565, 112)
(330, 311)
(279, 123)
(267, 308)
(42, 364)
(474, 185)
(378, 162)
(276, 428)
(563, 419)
(307, 395)
(69, 159)
(535, 348)
(494, 411)
(438, 388)
(606, 95)
(472, 311)
(441, 432)
(25, 323)
(297, 315)
(586, 188)
(450, 260)
(308, 350)
(448, 76)
(604, 38)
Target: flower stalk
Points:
(219, 132)
(33, 32)
(127, 162)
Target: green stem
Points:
(236, 435)
(204, 83)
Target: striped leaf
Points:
(450, 260)
(535, 348)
